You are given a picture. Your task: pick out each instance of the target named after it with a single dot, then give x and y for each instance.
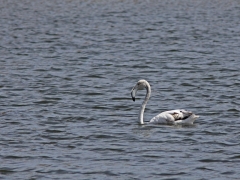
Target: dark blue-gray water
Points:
(66, 72)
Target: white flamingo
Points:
(178, 116)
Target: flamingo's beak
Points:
(134, 92)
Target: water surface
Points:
(67, 69)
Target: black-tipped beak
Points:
(133, 93)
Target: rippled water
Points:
(67, 68)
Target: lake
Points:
(67, 69)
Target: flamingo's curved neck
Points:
(141, 112)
